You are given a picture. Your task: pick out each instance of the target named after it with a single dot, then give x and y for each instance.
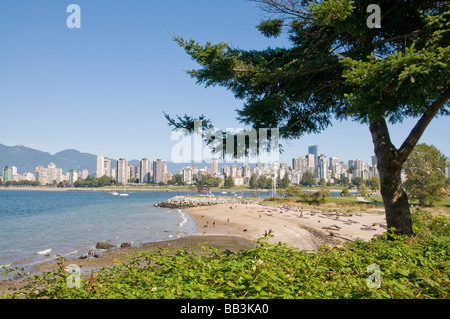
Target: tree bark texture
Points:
(389, 164)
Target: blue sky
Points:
(102, 89)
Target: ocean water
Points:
(36, 226)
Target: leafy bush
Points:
(410, 267)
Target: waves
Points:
(183, 218)
(44, 252)
(71, 223)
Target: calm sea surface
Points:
(35, 226)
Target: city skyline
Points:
(123, 63)
(322, 166)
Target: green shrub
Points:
(410, 267)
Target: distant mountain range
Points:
(27, 159)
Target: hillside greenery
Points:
(410, 267)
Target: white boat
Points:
(124, 192)
(114, 193)
(224, 192)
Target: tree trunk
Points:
(398, 215)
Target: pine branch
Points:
(416, 133)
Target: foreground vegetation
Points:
(410, 267)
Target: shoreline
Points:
(237, 226)
(148, 189)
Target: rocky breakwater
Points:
(194, 201)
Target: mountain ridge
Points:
(26, 159)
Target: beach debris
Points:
(91, 252)
(332, 227)
(84, 256)
(125, 244)
(331, 234)
(368, 227)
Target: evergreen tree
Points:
(308, 179)
(339, 66)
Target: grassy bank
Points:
(416, 267)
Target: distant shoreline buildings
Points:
(322, 167)
(331, 169)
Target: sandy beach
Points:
(238, 226)
(303, 229)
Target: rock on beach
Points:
(195, 201)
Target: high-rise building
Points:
(311, 163)
(100, 166)
(234, 171)
(246, 170)
(374, 160)
(48, 175)
(107, 167)
(159, 171)
(296, 164)
(6, 174)
(333, 161)
(215, 166)
(187, 175)
(322, 167)
(226, 171)
(145, 171)
(167, 177)
(13, 170)
(131, 172)
(351, 163)
(85, 174)
(335, 166)
(358, 164)
(73, 176)
(122, 171)
(28, 177)
(314, 149)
